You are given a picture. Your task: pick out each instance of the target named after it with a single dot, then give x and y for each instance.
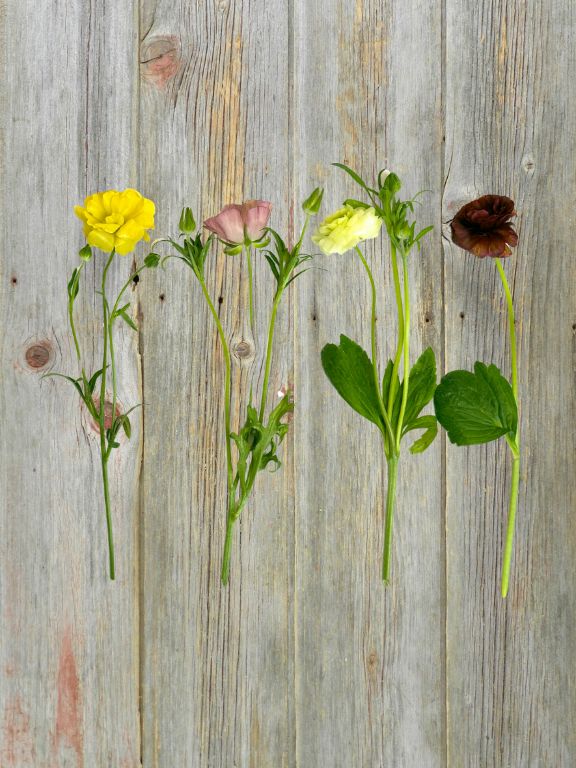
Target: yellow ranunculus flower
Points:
(116, 219)
(344, 229)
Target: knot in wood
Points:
(38, 355)
(160, 59)
(243, 350)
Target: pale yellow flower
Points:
(116, 220)
(347, 227)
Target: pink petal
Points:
(256, 215)
(228, 224)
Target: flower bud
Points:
(187, 224)
(392, 183)
(152, 260)
(312, 204)
(85, 253)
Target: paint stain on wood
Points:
(17, 746)
(68, 733)
(160, 60)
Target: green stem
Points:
(225, 575)
(248, 252)
(513, 505)
(513, 443)
(398, 356)
(102, 416)
(512, 328)
(377, 384)
(406, 352)
(227, 405)
(71, 313)
(269, 344)
(227, 379)
(390, 496)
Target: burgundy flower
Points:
(236, 224)
(483, 227)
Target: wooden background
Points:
(306, 660)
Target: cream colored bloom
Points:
(347, 227)
(116, 219)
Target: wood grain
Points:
(68, 657)
(306, 659)
(217, 664)
(369, 659)
(511, 664)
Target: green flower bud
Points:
(312, 204)
(85, 253)
(187, 224)
(392, 183)
(152, 260)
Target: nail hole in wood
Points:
(462, 315)
(220, 299)
(161, 297)
(14, 281)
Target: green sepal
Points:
(475, 408)
(152, 260)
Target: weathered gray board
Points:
(306, 660)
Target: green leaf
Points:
(128, 320)
(75, 382)
(350, 371)
(126, 426)
(477, 407)
(427, 423)
(353, 203)
(421, 385)
(358, 179)
(386, 383)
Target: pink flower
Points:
(239, 224)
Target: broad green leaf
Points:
(427, 423)
(476, 407)
(421, 385)
(350, 371)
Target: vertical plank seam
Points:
(139, 559)
(443, 447)
(292, 711)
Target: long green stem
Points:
(377, 384)
(400, 347)
(71, 312)
(269, 344)
(248, 251)
(102, 418)
(390, 496)
(227, 406)
(406, 352)
(515, 443)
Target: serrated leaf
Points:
(477, 407)
(350, 371)
(427, 423)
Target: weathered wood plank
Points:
(369, 659)
(217, 664)
(510, 129)
(68, 657)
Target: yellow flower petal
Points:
(102, 240)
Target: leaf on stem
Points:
(350, 371)
(477, 407)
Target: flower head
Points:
(241, 224)
(347, 227)
(483, 227)
(116, 220)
